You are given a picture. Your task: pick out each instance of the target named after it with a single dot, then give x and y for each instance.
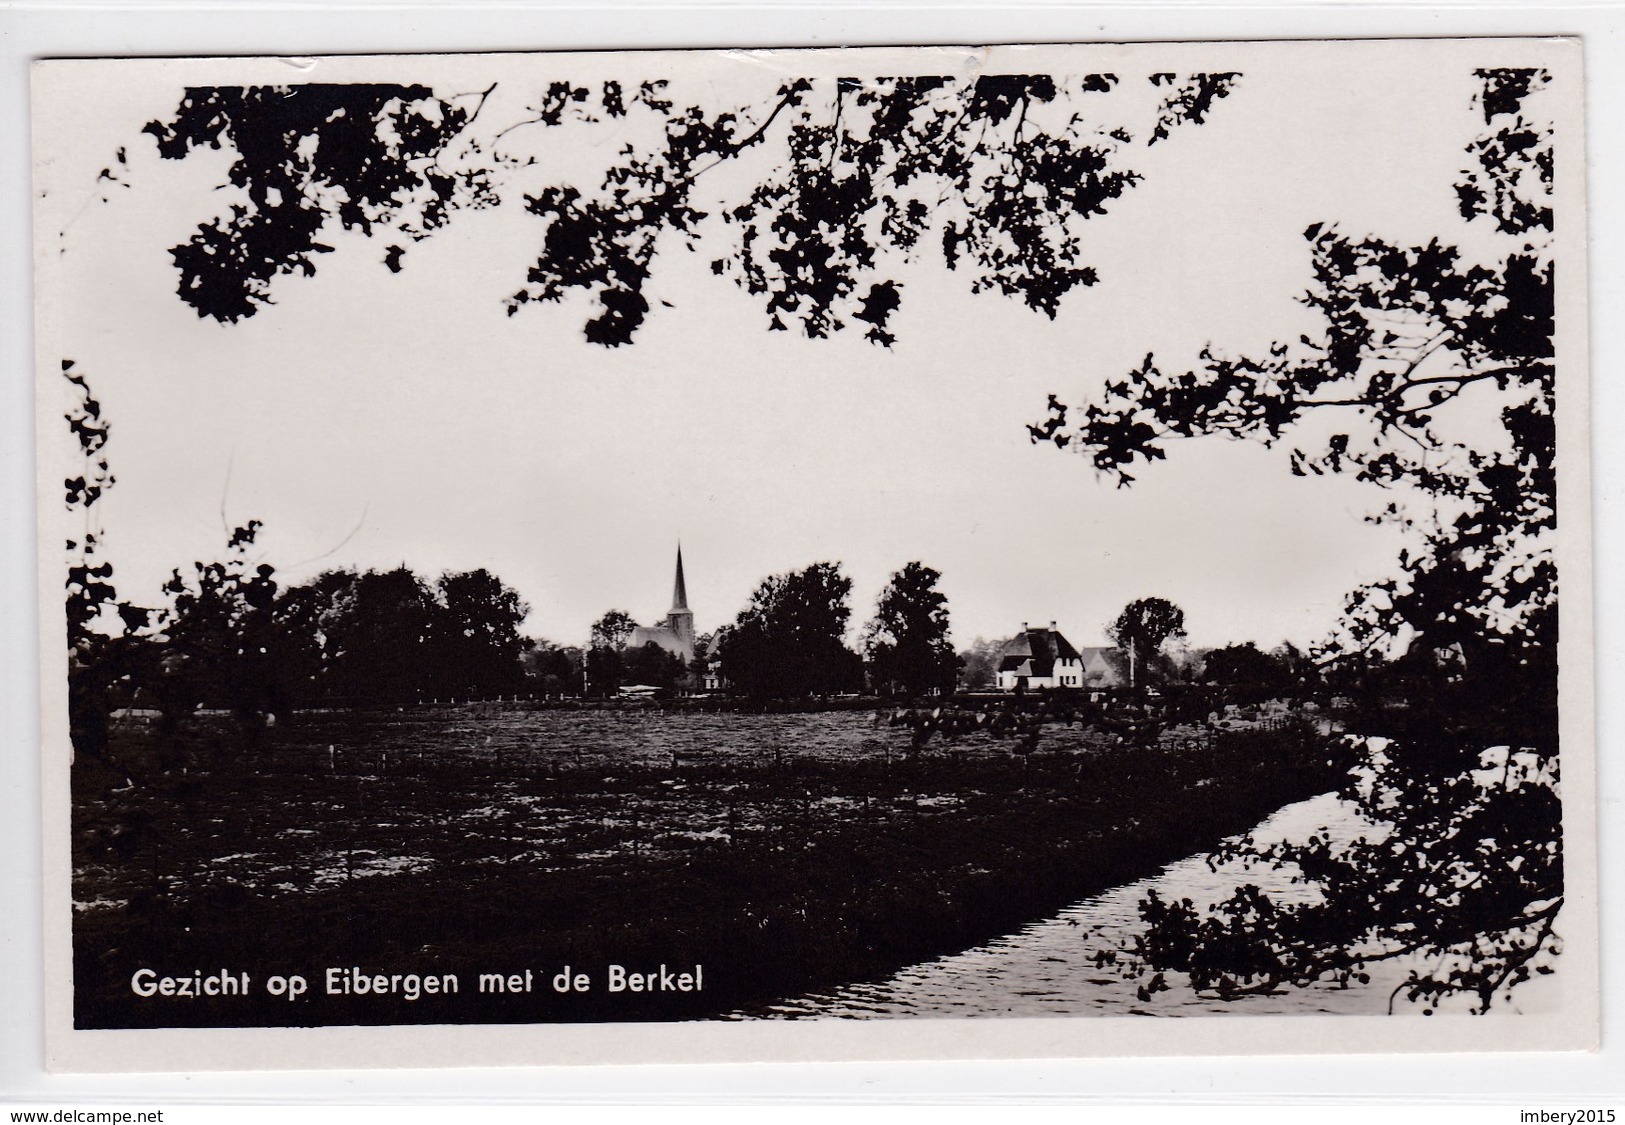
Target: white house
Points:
(1039, 658)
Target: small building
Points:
(1101, 667)
(712, 680)
(1039, 658)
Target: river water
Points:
(1050, 968)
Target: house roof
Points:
(1034, 653)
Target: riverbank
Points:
(1080, 961)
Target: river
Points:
(1050, 968)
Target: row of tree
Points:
(1241, 666)
(790, 641)
(229, 637)
(1149, 649)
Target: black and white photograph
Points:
(897, 551)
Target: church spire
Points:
(679, 593)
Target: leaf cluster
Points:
(853, 177)
(366, 155)
(1480, 848)
(907, 643)
(789, 642)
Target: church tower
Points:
(681, 619)
(675, 633)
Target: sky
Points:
(370, 419)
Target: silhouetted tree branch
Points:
(855, 178)
(1459, 778)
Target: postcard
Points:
(815, 554)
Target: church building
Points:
(675, 634)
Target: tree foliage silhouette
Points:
(99, 655)
(1443, 368)
(1244, 665)
(907, 642)
(394, 637)
(551, 668)
(979, 664)
(789, 642)
(652, 666)
(1141, 630)
(478, 641)
(842, 182)
(217, 641)
(612, 629)
(605, 658)
(365, 155)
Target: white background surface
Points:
(59, 29)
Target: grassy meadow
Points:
(783, 852)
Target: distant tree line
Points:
(1150, 651)
(790, 642)
(230, 637)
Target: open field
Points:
(782, 852)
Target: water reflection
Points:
(1055, 967)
